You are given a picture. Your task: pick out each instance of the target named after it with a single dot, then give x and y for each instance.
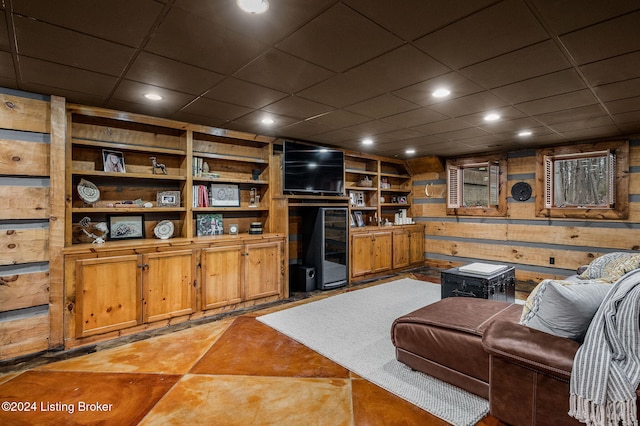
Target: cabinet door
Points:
(221, 276)
(382, 244)
(168, 284)
(262, 270)
(361, 254)
(108, 294)
(416, 247)
(401, 242)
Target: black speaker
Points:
(302, 278)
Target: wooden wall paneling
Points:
(24, 334)
(57, 179)
(609, 237)
(498, 231)
(24, 198)
(23, 113)
(23, 158)
(22, 289)
(522, 238)
(25, 237)
(511, 253)
(23, 243)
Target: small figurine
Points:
(157, 165)
(89, 232)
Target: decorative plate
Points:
(88, 192)
(164, 229)
(521, 191)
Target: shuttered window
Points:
(453, 186)
(580, 180)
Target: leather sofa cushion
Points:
(449, 332)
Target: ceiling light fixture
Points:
(367, 141)
(268, 121)
(410, 151)
(253, 6)
(441, 93)
(525, 133)
(153, 96)
(491, 117)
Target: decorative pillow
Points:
(611, 266)
(528, 304)
(564, 310)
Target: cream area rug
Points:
(353, 329)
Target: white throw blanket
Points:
(606, 370)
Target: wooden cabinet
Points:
(108, 294)
(379, 250)
(128, 287)
(370, 253)
(241, 272)
(222, 275)
(408, 246)
(262, 270)
(168, 284)
(117, 292)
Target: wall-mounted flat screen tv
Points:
(312, 169)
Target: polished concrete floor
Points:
(233, 371)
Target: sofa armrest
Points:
(533, 349)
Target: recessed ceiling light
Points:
(268, 121)
(441, 93)
(153, 96)
(253, 6)
(367, 141)
(491, 117)
(525, 133)
(410, 151)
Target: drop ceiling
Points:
(335, 72)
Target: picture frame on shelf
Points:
(225, 195)
(359, 219)
(209, 224)
(125, 227)
(168, 199)
(113, 161)
(357, 198)
(352, 220)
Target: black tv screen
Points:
(312, 169)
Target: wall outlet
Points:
(552, 260)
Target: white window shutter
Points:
(454, 186)
(548, 182)
(612, 179)
(494, 184)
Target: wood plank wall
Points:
(521, 239)
(25, 288)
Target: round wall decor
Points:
(88, 192)
(164, 229)
(521, 191)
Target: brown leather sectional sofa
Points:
(479, 345)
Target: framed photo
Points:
(125, 227)
(225, 195)
(359, 219)
(209, 224)
(113, 161)
(352, 220)
(357, 198)
(168, 199)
